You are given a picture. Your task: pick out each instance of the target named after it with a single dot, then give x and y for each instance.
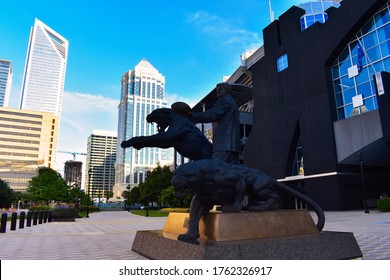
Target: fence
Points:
(33, 218)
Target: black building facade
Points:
(321, 117)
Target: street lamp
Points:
(99, 200)
(360, 157)
(89, 186)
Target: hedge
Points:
(383, 204)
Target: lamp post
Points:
(99, 201)
(89, 186)
(360, 157)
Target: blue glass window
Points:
(382, 17)
(374, 39)
(148, 90)
(298, 167)
(370, 26)
(135, 177)
(282, 62)
(143, 89)
(153, 90)
(386, 63)
(137, 88)
(315, 12)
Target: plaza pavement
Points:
(109, 236)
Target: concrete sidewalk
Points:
(109, 236)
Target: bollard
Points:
(21, 219)
(49, 216)
(3, 222)
(29, 218)
(45, 216)
(40, 216)
(35, 217)
(14, 217)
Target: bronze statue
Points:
(215, 182)
(173, 131)
(224, 115)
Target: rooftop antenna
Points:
(271, 13)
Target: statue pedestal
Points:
(218, 226)
(272, 235)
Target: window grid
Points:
(282, 62)
(373, 56)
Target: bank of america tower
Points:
(142, 92)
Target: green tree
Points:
(74, 192)
(157, 180)
(132, 197)
(167, 198)
(7, 195)
(109, 194)
(135, 195)
(48, 186)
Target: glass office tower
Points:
(5, 81)
(142, 92)
(44, 72)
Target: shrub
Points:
(383, 204)
(64, 214)
(91, 209)
(40, 207)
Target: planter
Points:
(64, 214)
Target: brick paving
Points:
(109, 236)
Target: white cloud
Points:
(172, 98)
(82, 113)
(222, 29)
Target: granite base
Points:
(322, 246)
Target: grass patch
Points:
(176, 210)
(152, 213)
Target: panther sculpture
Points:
(215, 182)
(173, 131)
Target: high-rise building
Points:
(5, 81)
(44, 72)
(142, 92)
(100, 167)
(321, 97)
(28, 140)
(73, 172)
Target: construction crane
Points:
(72, 153)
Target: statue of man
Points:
(224, 116)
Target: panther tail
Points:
(320, 214)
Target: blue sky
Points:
(193, 43)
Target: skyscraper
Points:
(142, 92)
(28, 140)
(72, 172)
(5, 81)
(44, 72)
(100, 167)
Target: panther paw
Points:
(233, 208)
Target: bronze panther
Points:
(215, 182)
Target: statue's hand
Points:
(125, 144)
(132, 142)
